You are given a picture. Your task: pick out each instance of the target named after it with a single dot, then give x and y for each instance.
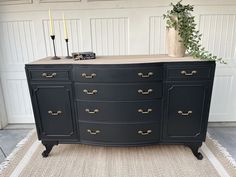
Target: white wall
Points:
(3, 115)
(108, 28)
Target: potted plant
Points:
(182, 35)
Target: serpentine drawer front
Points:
(117, 92)
(119, 133)
(134, 111)
(121, 101)
(118, 74)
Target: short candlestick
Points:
(67, 47)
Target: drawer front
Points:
(119, 133)
(107, 74)
(189, 72)
(145, 111)
(49, 75)
(118, 92)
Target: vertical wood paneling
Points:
(18, 102)
(3, 113)
(17, 42)
(109, 36)
(222, 103)
(74, 35)
(157, 35)
(219, 34)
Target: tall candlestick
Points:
(65, 27)
(54, 48)
(51, 23)
(67, 48)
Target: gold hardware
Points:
(145, 93)
(92, 112)
(185, 114)
(90, 93)
(144, 133)
(145, 112)
(145, 76)
(54, 113)
(188, 74)
(49, 76)
(89, 76)
(93, 132)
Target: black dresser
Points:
(121, 101)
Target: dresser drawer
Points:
(119, 133)
(189, 72)
(118, 92)
(118, 74)
(142, 111)
(50, 75)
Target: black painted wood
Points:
(185, 106)
(118, 92)
(185, 71)
(106, 74)
(53, 109)
(119, 133)
(118, 112)
(177, 88)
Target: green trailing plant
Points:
(182, 20)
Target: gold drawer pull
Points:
(90, 93)
(145, 76)
(144, 133)
(88, 76)
(93, 132)
(185, 114)
(145, 93)
(49, 76)
(54, 113)
(92, 112)
(188, 74)
(145, 112)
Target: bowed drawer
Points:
(119, 133)
(118, 92)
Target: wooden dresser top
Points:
(129, 59)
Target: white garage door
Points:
(137, 28)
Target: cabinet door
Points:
(186, 111)
(53, 111)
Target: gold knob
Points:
(90, 93)
(188, 74)
(145, 93)
(144, 133)
(185, 114)
(145, 76)
(92, 112)
(145, 112)
(54, 113)
(93, 132)
(49, 75)
(88, 76)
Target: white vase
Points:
(174, 46)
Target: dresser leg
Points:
(48, 145)
(194, 147)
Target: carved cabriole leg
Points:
(194, 147)
(48, 145)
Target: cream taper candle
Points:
(65, 27)
(51, 23)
